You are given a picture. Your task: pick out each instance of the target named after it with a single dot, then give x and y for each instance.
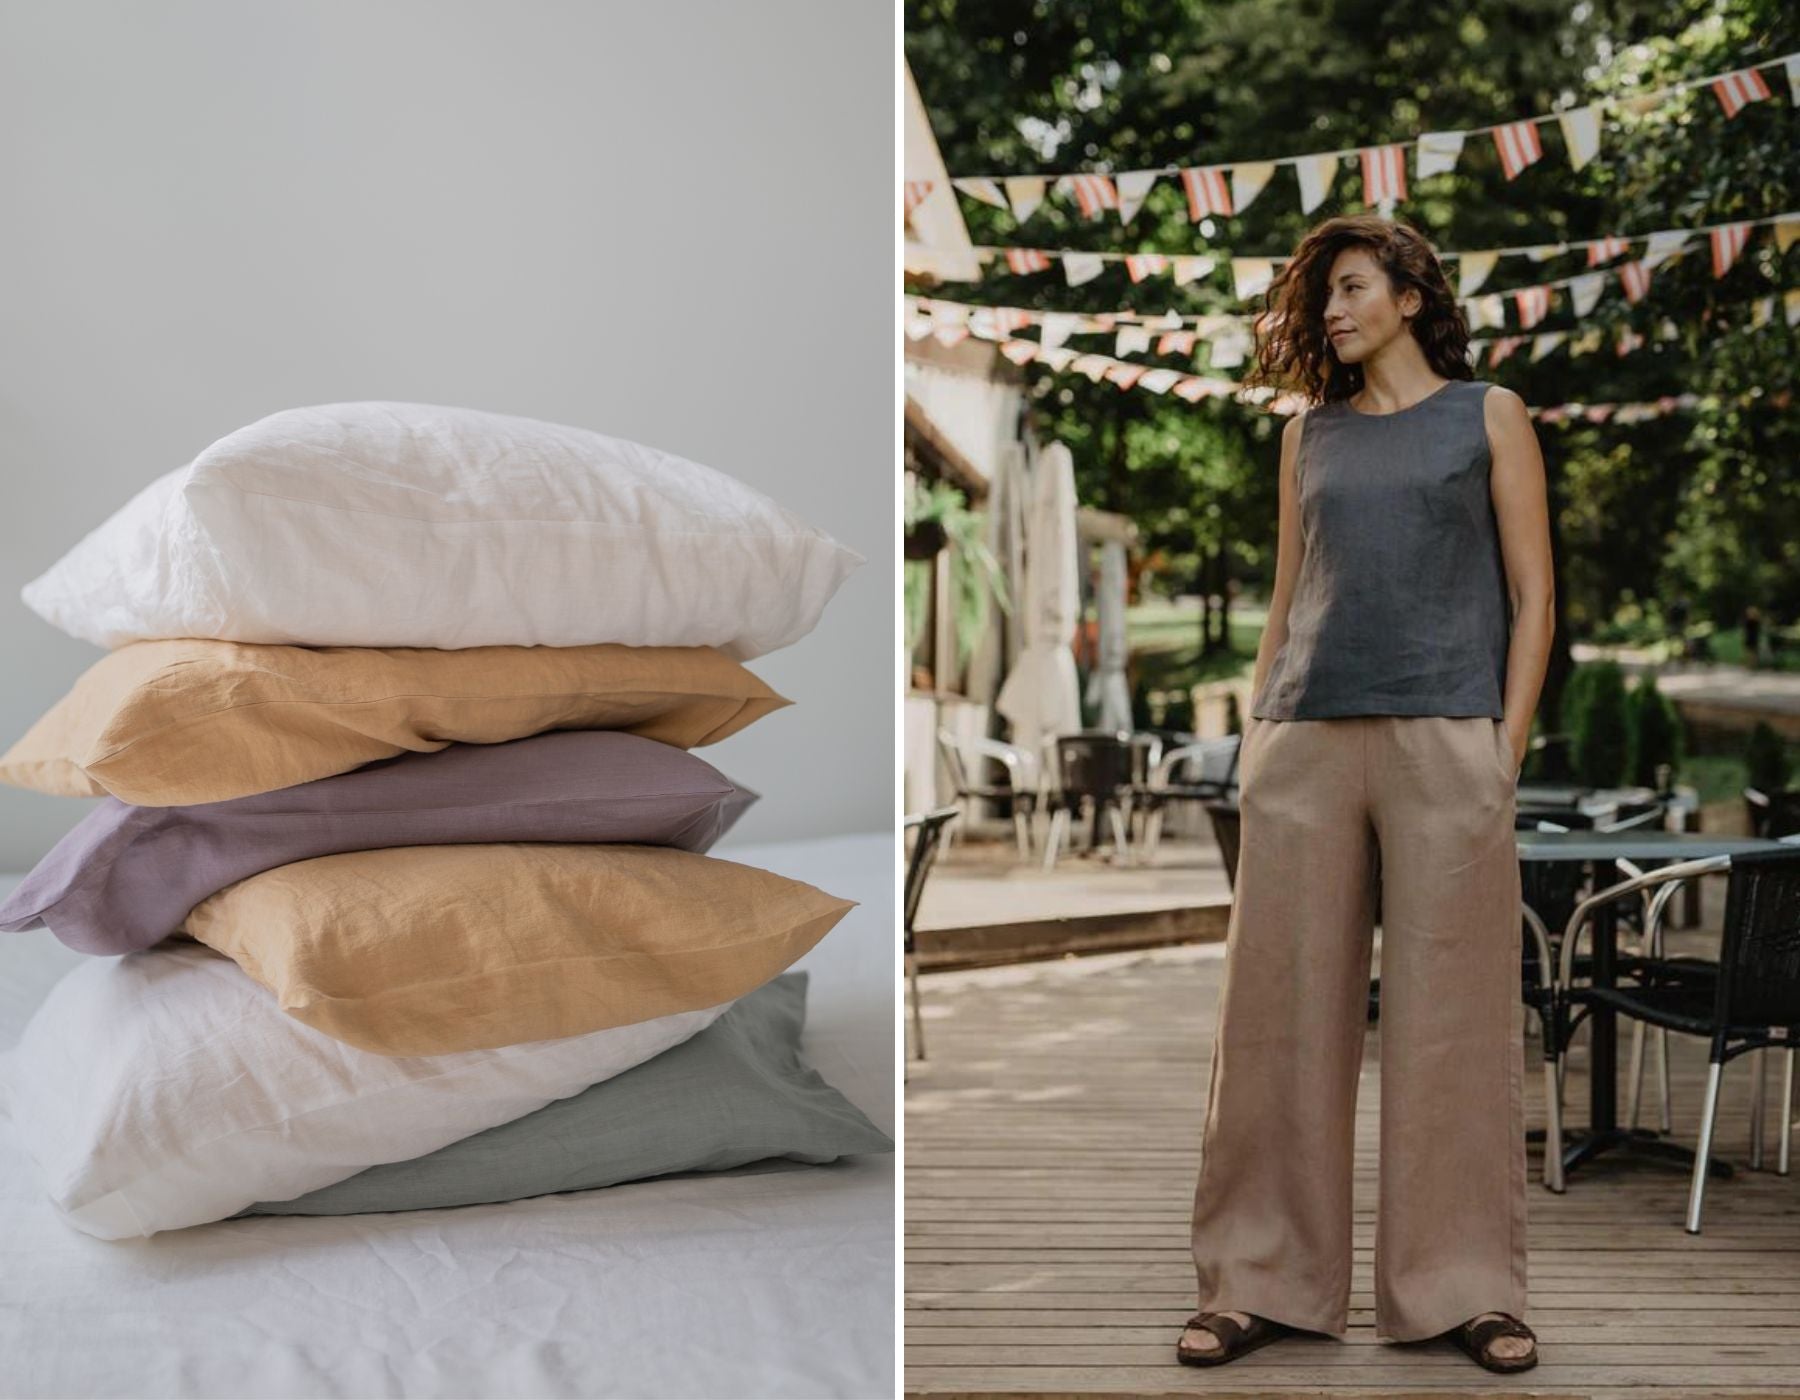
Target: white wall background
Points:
(672, 222)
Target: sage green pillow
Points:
(736, 1092)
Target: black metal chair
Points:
(928, 829)
(1093, 775)
(1205, 771)
(1773, 814)
(1749, 1000)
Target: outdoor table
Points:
(1603, 848)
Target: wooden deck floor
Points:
(1051, 1143)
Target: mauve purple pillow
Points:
(127, 876)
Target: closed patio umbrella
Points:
(1041, 696)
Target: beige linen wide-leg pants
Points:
(1424, 805)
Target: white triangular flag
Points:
(918, 327)
(1160, 381)
(1316, 174)
(1056, 357)
(1792, 64)
(1025, 193)
(1231, 346)
(1252, 276)
(1489, 310)
(1581, 134)
(1193, 269)
(1132, 340)
(1543, 252)
(1058, 327)
(1473, 270)
(1791, 302)
(1082, 267)
(1664, 246)
(1438, 151)
(1588, 341)
(1584, 291)
(1133, 185)
(1787, 232)
(1542, 345)
(986, 190)
(1247, 182)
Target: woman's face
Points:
(1362, 315)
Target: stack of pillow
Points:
(400, 832)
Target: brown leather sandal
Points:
(1235, 1338)
(1473, 1338)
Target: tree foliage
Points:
(1705, 503)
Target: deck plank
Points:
(1051, 1141)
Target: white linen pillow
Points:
(166, 1089)
(410, 525)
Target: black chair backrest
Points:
(1093, 765)
(1778, 815)
(1759, 955)
(929, 831)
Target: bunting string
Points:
(1227, 188)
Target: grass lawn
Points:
(1165, 655)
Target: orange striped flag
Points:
(1534, 305)
(1737, 91)
(1727, 242)
(1208, 192)
(1094, 193)
(1604, 250)
(1027, 260)
(1142, 265)
(1519, 146)
(916, 190)
(1503, 347)
(1635, 278)
(1384, 174)
(1176, 343)
(1125, 375)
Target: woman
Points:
(1408, 634)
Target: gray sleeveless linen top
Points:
(1401, 605)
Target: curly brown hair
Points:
(1293, 353)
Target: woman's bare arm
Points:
(1288, 552)
(1522, 509)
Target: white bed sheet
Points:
(758, 1282)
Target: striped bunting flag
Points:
(1504, 346)
(1727, 242)
(1604, 250)
(1023, 260)
(916, 190)
(1737, 91)
(1519, 146)
(1182, 342)
(1629, 340)
(1207, 192)
(1635, 278)
(1384, 174)
(1142, 265)
(1093, 193)
(1020, 352)
(1534, 305)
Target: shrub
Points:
(1600, 730)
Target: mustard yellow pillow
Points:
(170, 723)
(431, 950)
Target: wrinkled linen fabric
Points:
(738, 1091)
(432, 950)
(169, 724)
(166, 1089)
(125, 877)
(587, 1295)
(403, 524)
